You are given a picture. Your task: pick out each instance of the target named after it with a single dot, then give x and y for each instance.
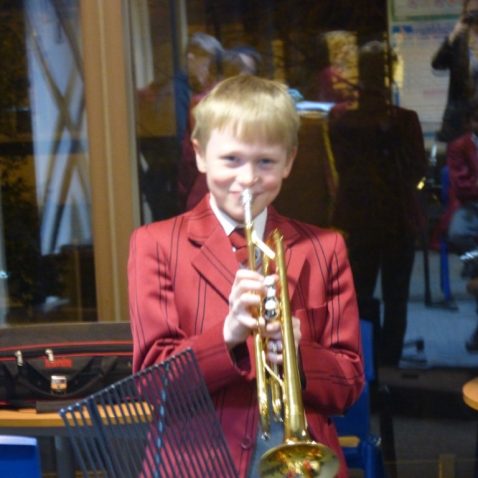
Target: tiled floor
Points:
(435, 433)
(443, 330)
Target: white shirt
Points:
(229, 224)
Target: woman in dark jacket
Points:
(459, 54)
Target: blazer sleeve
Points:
(155, 322)
(332, 357)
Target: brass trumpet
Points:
(298, 455)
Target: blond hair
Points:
(255, 109)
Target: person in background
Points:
(242, 60)
(188, 289)
(327, 81)
(166, 181)
(233, 64)
(204, 64)
(458, 54)
(380, 158)
(251, 59)
(462, 161)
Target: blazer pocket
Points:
(312, 322)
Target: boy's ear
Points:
(290, 163)
(200, 161)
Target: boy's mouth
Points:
(240, 194)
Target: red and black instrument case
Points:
(46, 365)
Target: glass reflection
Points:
(47, 269)
(314, 47)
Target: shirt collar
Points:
(228, 224)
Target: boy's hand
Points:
(246, 294)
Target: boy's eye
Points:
(231, 159)
(266, 162)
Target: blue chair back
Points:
(445, 185)
(19, 457)
(366, 331)
(444, 247)
(356, 421)
(367, 455)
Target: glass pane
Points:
(46, 247)
(320, 48)
(155, 61)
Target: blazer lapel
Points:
(214, 261)
(294, 258)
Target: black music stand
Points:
(159, 422)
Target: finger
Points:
(270, 280)
(244, 281)
(275, 358)
(275, 346)
(244, 295)
(245, 287)
(261, 325)
(246, 320)
(243, 318)
(273, 329)
(297, 330)
(242, 274)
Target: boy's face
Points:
(232, 165)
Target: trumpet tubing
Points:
(298, 455)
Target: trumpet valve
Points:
(271, 305)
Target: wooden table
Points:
(27, 422)
(470, 397)
(470, 393)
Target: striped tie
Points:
(239, 244)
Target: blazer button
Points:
(246, 443)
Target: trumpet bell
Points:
(301, 459)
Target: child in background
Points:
(462, 161)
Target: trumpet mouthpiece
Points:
(247, 204)
(246, 197)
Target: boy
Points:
(462, 161)
(188, 290)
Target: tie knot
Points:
(238, 241)
(238, 238)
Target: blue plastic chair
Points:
(19, 457)
(361, 448)
(444, 265)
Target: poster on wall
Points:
(417, 28)
(408, 9)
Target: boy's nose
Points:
(247, 175)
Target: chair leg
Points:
(445, 271)
(426, 270)
(387, 432)
(372, 458)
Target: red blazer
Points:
(462, 160)
(180, 274)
